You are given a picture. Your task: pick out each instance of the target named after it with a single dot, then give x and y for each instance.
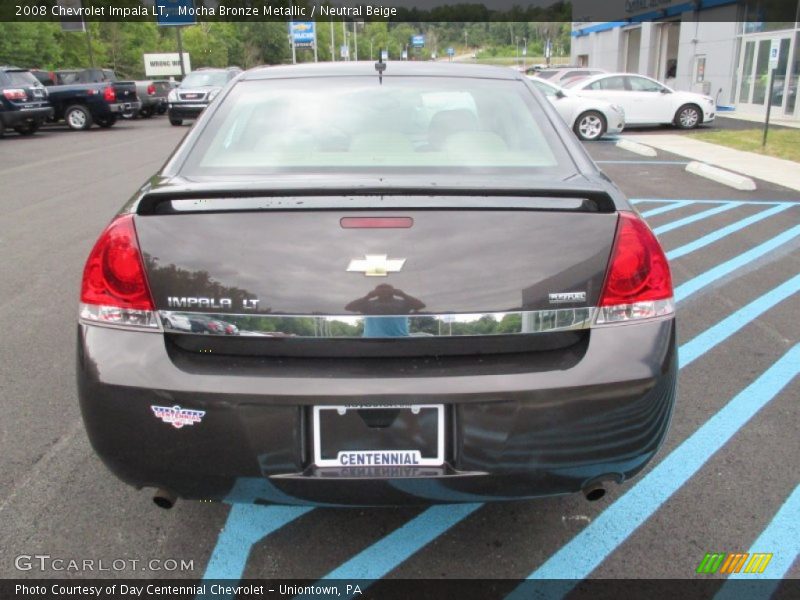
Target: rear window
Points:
(547, 73)
(205, 79)
(406, 125)
(22, 79)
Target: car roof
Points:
(393, 69)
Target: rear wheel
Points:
(688, 116)
(175, 122)
(106, 122)
(590, 125)
(28, 128)
(146, 113)
(78, 117)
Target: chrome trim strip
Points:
(378, 326)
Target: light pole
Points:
(355, 39)
(525, 55)
(333, 43)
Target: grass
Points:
(781, 143)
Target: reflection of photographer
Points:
(386, 300)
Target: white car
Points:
(590, 119)
(646, 101)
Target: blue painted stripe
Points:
(665, 209)
(725, 231)
(582, 555)
(695, 348)
(246, 525)
(693, 285)
(694, 218)
(384, 555)
(782, 538)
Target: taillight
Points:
(109, 95)
(638, 284)
(15, 94)
(151, 90)
(114, 288)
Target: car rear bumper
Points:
(515, 433)
(185, 111)
(25, 115)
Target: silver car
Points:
(589, 118)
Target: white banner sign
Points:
(164, 65)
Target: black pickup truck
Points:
(82, 97)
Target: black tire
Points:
(162, 110)
(78, 117)
(175, 122)
(688, 116)
(590, 125)
(28, 128)
(146, 113)
(106, 122)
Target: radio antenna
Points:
(380, 67)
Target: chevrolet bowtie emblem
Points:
(376, 265)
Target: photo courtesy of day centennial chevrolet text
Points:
(365, 284)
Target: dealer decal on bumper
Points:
(177, 416)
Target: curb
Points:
(734, 180)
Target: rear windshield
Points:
(407, 125)
(546, 73)
(205, 79)
(22, 79)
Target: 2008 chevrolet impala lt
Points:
(361, 284)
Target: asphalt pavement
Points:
(722, 482)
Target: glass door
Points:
(754, 75)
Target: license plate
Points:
(379, 436)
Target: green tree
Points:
(30, 44)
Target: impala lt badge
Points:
(376, 265)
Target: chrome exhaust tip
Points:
(594, 492)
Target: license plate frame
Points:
(422, 461)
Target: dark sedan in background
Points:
(437, 295)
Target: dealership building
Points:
(718, 47)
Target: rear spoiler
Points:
(203, 201)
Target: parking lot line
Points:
(384, 555)
(710, 276)
(694, 218)
(583, 554)
(246, 524)
(725, 231)
(781, 538)
(702, 343)
(665, 209)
